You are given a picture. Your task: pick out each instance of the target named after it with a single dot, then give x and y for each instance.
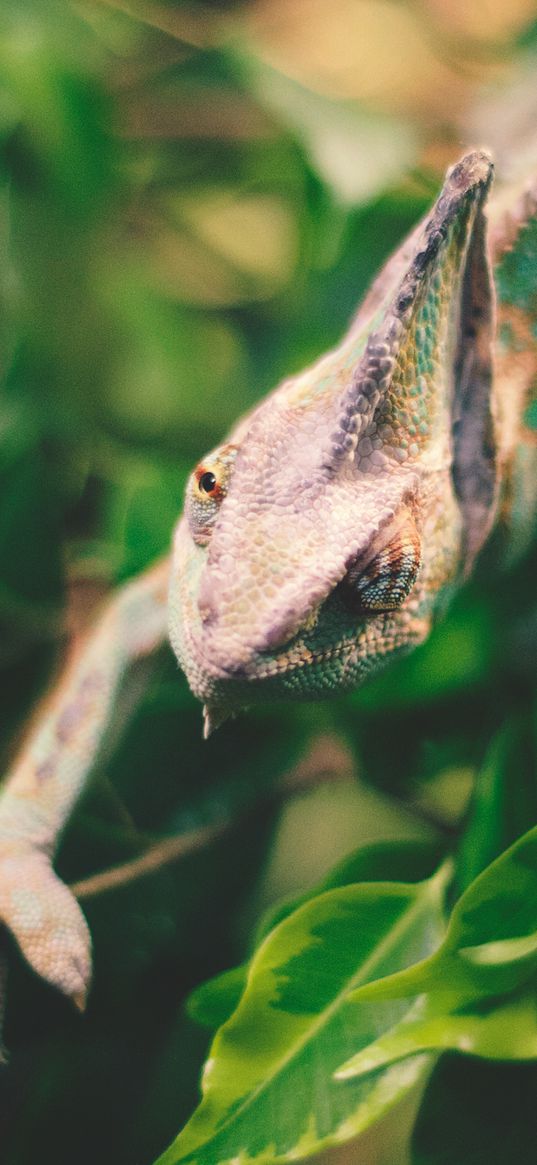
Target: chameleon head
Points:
(321, 538)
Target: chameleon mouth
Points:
(303, 672)
(280, 647)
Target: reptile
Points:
(322, 538)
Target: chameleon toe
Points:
(46, 923)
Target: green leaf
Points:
(504, 1029)
(479, 987)
(212, 1003)
(384, 861)
(505, 799)
(277, 1053)
(494, 924)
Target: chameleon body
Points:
(323, 537)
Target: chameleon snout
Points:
(234, 653)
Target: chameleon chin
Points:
(321, 539)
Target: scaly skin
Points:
(49, 775)
(350, 468)
(323, 538)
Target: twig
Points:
(328, 759)
(161, 853)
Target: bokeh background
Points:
(193, 198)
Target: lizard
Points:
(322, 539)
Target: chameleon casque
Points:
(325, 535)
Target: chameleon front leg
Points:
(49, 775)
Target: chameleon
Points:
(323, 538)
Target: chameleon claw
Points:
(80, 999)
(46, 922)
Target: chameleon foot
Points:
(46, 921)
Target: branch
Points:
(327, 760)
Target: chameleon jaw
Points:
(303, 672)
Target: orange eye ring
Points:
(208, 484)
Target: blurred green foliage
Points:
(192, 201)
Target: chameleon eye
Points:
(387, 580)
(206, 490)
(207, 483)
